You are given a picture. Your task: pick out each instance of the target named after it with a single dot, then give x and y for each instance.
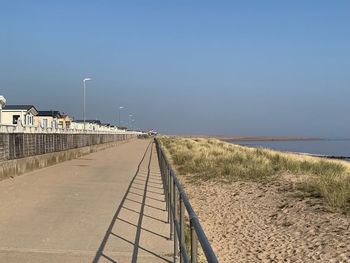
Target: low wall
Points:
(21, 145)
(25, 152)
(11, 168)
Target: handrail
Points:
(176, 203)
(19, 128)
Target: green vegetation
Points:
(211, 159)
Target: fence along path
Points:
(179, 209)
(20, 145)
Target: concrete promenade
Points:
(104, 207)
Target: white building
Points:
(12, 114)
(2, 104)
(47, 119)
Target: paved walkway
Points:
(104, 207)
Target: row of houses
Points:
(30, 116)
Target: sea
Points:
(337, 148)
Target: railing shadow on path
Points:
(137, 189)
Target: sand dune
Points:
(251, 222)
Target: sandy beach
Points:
(258, 205)
(251, 222)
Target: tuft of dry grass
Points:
(212, 159)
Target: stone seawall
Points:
(21, 145)
(21, 153)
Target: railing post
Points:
(182, 229)
(171, 207)
(194, 244)
(176, 245)
(166, 187)
(167, 175)
(164, 173)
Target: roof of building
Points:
(18, 107)
(64, 115)
(89, 121)
(49, 113)
(27, 108)
(2, 100)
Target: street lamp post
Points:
(84, 80)
(120, 108)
(130, 116)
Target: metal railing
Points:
(176, 204)
(20, 128)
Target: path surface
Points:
(104, 207)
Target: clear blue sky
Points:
(185, 67)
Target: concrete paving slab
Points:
(105, 207)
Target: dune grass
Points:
(212, 159)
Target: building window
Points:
(54, 124)
(15, 119)
(45, 123)
(27, 119)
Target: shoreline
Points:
(326, 156)
(254, 138)
(267, 138)
(237, 138)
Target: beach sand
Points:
(252, 222)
